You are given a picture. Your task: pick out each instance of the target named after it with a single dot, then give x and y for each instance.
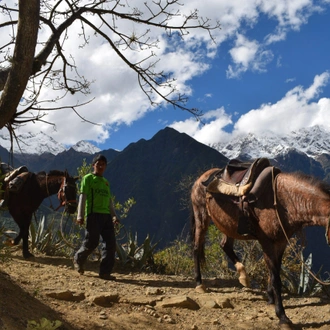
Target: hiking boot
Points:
(107, 277)
(78, 267)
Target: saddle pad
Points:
(223, 187)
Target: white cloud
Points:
(209, 130)
(294, 111)
(244, 51)
(247, 55)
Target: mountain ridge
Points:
(313, 141)
(39, 143)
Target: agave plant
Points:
(138, 256)
(44, 324)
(43, 239)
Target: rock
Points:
(104, 300)
(66, 295)
(140, 300)
(201, 288)
(225, 304)
(168, 319)
(154, 291)
(180, 302)
(210, 304)
(103, 315)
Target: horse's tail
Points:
(198, 244)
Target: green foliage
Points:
(123, 209)
(176, 259)
(84, 169)
(134, 255)
(296, 272)
(43, 324)
(216, 260)
(45, 240)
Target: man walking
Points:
(96, 202)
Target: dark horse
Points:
(36, 188)
(289, 203)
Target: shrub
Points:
(176, 259)
(44, 324)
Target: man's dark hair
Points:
(99, 157)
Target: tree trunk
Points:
(21, 66)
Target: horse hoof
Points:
(28, 255)
(245, 281)
(200, 288)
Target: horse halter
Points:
(70, 205)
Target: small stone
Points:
(168, 319)
(226, 304)
(154, 291)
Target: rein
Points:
(63, 236)
(274, 180)
(48, 193)
(61, 189)
(65, 201)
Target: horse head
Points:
(67, 193)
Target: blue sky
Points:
(269, 70)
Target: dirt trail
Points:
(49, 287)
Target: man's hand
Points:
(116, 224)
(115, 221)
(80, 222)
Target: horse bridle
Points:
(61, 193)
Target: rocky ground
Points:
(48, 287)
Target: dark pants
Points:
(97, 225)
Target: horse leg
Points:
(227, 244)
(199, 227)
(274, 261)
(24, 234)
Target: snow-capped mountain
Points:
(37, 144)
(312, 141)
(85, 146)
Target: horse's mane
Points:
(318, 183)
(51, 173)
(56, 173)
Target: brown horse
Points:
(36, 188)
(290, 202)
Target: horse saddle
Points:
(237, 178)
(16, 179)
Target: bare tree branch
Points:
(101, 16)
